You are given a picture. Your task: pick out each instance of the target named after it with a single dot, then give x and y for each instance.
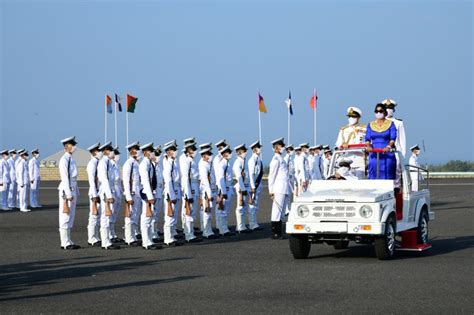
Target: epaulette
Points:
(399, 119)
(363, 125)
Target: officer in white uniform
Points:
(12, 200)
(353, 133)
(93, 226)
(190, 190)
(148, 183)
(106, 175)
(68, 193)
(301, 171)
(181, 160)
(158, 164)
(118, 194)
(35, 177)
(278, 187)
(415, 174)
(290, 162)
(400, 142)
(216, 164)
(171, 192)
(224, 181)
(22, 179)
(242, 187)
(132, 187)
(255, 168)
(4, 180)
(315, 164)
(326, 161)
(17, 161)
(207, 190)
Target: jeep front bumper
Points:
(364, 228)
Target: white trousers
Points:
(66, 220)
(12, 200)
(22, 197)
(4, 195)
(146, 225)
(34, 190)
(253, 209)
(169, 222)
(93, 224)
(115, 213)
(398, 174)
(240, 211)
(278, 207)
(105, 223)
(206, 218)
(136, 214)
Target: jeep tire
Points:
(385, 246)
(300, 246)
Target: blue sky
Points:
(196, 68)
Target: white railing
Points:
(451, 174)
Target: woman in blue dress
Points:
(381, 134)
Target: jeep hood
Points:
(348, 191)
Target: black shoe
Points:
(173, 244)
(197, 232)
(117, 240)
(276, 230)
(258, 229)
(135, 244)
(194, 240)
(113, 246)
(96, 244)
(179, 236)
(152, 247)
(229, 234)
(179, 231)
(157, 240)
(138, 236)
(160, 234)
(71, 247)
(215, 231)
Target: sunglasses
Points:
(379, 111)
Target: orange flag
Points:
(314, 100)
(261, 104)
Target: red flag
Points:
(314, 100)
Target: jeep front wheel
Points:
(300, 246)
(385, 246)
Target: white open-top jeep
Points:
(364, 211)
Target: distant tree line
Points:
(453, 166)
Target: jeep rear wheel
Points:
(422, 229)
(300, 246)
(385, 246)
(341, 245)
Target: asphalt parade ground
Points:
(240, 274)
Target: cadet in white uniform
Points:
(224, 190)
(106, 175)
(93, 226)
(415, 175)
(207, 190)
(216, 164)
(35, 178)
(132, 187)
(255, 169)
(190, 190)
(12, 200)
(118, 194)
(326, 161)
(158, 209)
(68, 193)
(278, 187)
(290, 162)
(171, 192)
(148, 183)
(22, 179)
(242, 187)
(315, 164)
(301, 171)
(4, 180)
(17, 161)
(353, 133)
(400, 142)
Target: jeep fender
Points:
(387, 210)
(420, 203)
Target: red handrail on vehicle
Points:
(356, 146)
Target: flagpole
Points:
(314, 109)
(126, 119)
(289, 126)
(105, 116)
(116, 110)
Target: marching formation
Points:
(19, 180)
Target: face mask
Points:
(37, 156)
(390, 112)
(192, 155)
(14, 156)
(174, 154)
(229, 156)
(243, 155)
(111, 155)
(73, 149)
(258, 150)
(99, 155)
(138, 156)
(152, 156)
(352, 121)
(379, 116)
(117, 158)
(210, 158)
(292, 153)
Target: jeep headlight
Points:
(366, 211)
(302, 211)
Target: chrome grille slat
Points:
(334, 211)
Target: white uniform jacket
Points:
(278, 179)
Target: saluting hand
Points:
(110, 200)
(130, 202)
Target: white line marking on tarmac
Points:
(454, 184)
